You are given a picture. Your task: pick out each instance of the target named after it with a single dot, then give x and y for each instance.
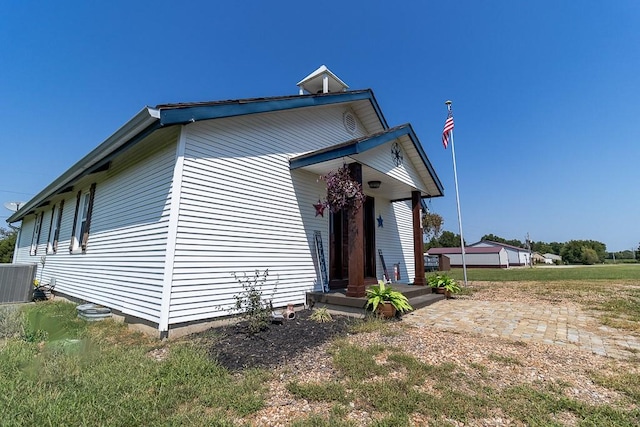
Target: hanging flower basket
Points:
(343, 192)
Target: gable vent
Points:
(350, 123)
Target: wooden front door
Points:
(339, 250)
(339, 246)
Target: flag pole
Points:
(455, 178)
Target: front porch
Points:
(337, 300)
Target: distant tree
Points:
(628, 254)
(446, 240)
(431, 225)
(493, 238)
(588, 256)
(573, 252)
(547, 248)
(7, 244)
(541, 247)
(556, 247)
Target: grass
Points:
(617, 272)
(458, 395)
(507, 360)
(103, 376)
(56, 369)
(11, 321)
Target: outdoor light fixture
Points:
(374, 184)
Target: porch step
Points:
(418, 296)
(424, 300)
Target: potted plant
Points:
(443, 284)
(386, 301)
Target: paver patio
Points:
(566, 325)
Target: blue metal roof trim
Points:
(361, 145)
(425, 159)
(355, 146)
(181, 115)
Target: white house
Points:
(477, 257)
(552, 258)
(155, 220)
(517, 256)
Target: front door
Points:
(339, 246)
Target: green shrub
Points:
(249, 302)
(321, 315)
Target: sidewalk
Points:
(550, 324)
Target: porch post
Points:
(356, 287)
(418, 253)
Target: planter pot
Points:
(438, 290)
(386, 310)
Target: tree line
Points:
(572, 252)
(7, 244)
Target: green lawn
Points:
(618, 272)
(56, 369)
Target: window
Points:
(36, 234)
(54, 228)
(82, 220)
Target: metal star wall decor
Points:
(319, 208)
(379, 221)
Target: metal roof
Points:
(467, 250)
(148, 120)
(504, 245)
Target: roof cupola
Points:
(322, 80)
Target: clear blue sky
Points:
(546, 94)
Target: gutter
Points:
(147, 120)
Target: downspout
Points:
(172, 235)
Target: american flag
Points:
(446, 132)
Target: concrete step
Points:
(424, 300)
(411, 291)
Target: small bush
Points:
(321, 315)
(249, 302)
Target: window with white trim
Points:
(82, 220)
(36, 234)
(54, 228)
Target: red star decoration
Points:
(319, 208)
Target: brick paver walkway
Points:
(558, 325)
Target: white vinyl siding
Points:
(496, 259)
(395, 238)
(380, 159)
(23, 244)
(516, 256)
(124, 264)
(239, 209)
(242, 209)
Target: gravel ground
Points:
(297, 350)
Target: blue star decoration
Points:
(379, 221)
(319, 208)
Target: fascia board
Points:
(183, 115)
